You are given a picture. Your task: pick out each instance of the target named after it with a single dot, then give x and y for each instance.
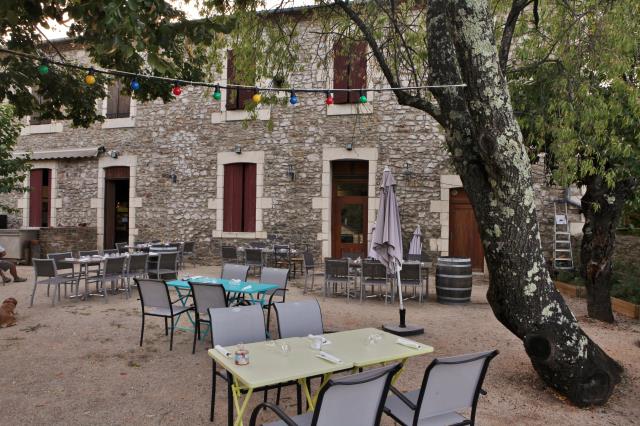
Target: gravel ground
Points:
(79, 363)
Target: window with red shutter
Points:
(349, 71)
(236, 98)
(39, 194)
(239, 197)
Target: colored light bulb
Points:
(293, 99)
(177, 90)
(43, 69)
(135, 85)
(257, 97)
(217, 95)
(329, 100)
(90, 79)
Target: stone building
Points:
(198, 169)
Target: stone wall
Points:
(63, 239)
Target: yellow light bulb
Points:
(90, 79)
(257, 98)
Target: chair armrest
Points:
(483, 392)
(283, 290)
(275, 409)
(403, 398)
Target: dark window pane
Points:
(352, 228)
(344, 189)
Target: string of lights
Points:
(90, 79)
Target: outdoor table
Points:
(269, 365)
(84, 263)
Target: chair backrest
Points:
(414, 257)
(114, 265)
(153, 293)
(281, 251)
(206, 295)
(253, 256)
(410, 273)
(168, 260)
(258, 244)
(336, 268)
(299, 318)
(307, 258)
(162, 249)
(240, 324)
(59, 259)
(138, 263)
(354, 400)
(44, 267)
(373, 270)
(121, 247)
(110, 251)
(229, 253)
(278, 276)
(453, 384)
(188, 247)
(82, 253)
(351, 255)
(233, 271)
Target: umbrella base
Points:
(408, 330)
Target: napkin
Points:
(196, 277)
(408, 343)
(328, 357)
(246, 287)
(222, 350)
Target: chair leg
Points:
(213, 390)
(196, 334)
(166, 327)
(304, 290)
(142, 330)
(171, 339)
(278, 396)
(299, 397)
(33, 294)
(229, 400)
(268, 316)
(56, 288)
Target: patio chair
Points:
(155, 302)
(109, 252)
(414, 257)
(309, 269)
(229, 254)
(374, 274)
(112, 272)
(136, 268)
(83, 253)
(166, 266)
(337, 272)
(253, 258)
(281, 256)
(233, 271)
(351, 255)
(188, 252)
(64, 269)
(205, 296)
(91, 271)
(449, 385)
(46, 269)
(277, 276)
(357, 399)
(411, 276)
(299, 318)
(232, 326)
(121, 247)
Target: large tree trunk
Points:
(487, 150)
(602, 207)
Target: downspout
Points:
(567, 199)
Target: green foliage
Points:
(626, 281)
(12, 170)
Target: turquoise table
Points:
(250, 291)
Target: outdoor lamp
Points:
(407, 171)
(290, 172)
(349, 146)
(238, 149)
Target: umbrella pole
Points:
(403, 329)
(402, 311)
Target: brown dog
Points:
(7, 312)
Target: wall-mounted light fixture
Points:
(113, 153)
(291, 173)
(408, 174)
(238, 149)
(349, 146)
(172, 176)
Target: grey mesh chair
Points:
(281, 255)
(277, 276)
(229, 254)
(113, 272)
(411, 276)
(232, 326)
(351, 400)
(83, 253)
(188, 252)
(65, 269)
(337, 272)
(205, 296)
(136, 268)
(109, 252)
(309, 269)
(374, 274)
(166, 265)
(232, 271)
(121, 247)
(299, 318)
(449, 385)
(414, 257)
(93, 270)
(253, 259)
(46, 274)
(156, 302)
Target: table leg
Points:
(240, 408)
(313, 399)
(184, 298)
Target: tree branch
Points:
(509, 29)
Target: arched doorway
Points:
(116, 206)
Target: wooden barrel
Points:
(453, 280)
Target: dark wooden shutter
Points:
(233, 198)
(340, 73)
(35, 198)
(118, 104)
(232, 94)
(249, 198)
(357, 70)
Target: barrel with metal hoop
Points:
(453, 280)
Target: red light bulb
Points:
(177, 90)
(329, 100)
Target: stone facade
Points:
(66, 238)
(193, 136)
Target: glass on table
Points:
(374, 338)
(285, 348)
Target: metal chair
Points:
(277, 276)
(232, 271)
(166, 265)
(351, 255)
(109, 252)
(309, 269)
(373, 273)
(411, 276)
(414, 257)
(91, 271)
(299, 318)
(188, 251)
(229, 254)
(83, 253)
(112, 272)
(281, 256)
(64, 269)
(337, 272)
(253, 258)
(205, 296)
(449, 385)
(155, 302)
(352, 400)
(121, 247)
(46, 269)
(136, 268)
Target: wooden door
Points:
(39, 195)
(464, 237)
(349, 207)
(116, 205)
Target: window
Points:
(35, 118)
(237, 98)
(118, 104)
(239, 197)
(349, 71)
(39, 197)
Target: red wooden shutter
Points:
(357, 70)
(35, 198)
(232, 94)
(233, 188)
(249, 198)
(340, 73)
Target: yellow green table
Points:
(269, 365)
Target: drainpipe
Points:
(567, 199)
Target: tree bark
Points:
(602, 208)
(487, 151)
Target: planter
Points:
(618, 305)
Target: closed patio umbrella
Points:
(415, 246)
(371, 252)
(387, 244)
